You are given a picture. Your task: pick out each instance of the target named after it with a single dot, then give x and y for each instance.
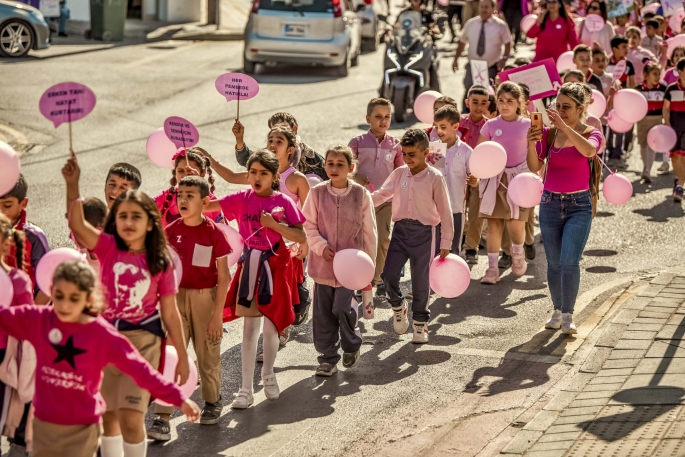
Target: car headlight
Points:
(38, 16)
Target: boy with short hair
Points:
(618, 143)
(419, 203)
(121, 177)
(478, 101)
(13, 205)
(582, 57)
(203, 248)
(652, 42)
(377, 155)
(599, 65)
(457, 173)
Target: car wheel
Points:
(342, 69)
(355, 60)
(249, 66)
(16, 39)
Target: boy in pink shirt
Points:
(420, 205)
(377, 155)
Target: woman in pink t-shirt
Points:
(73, 345)
(566, 205)
(140, 287)
(508, 129)
(554, 30)
(185, 163)
(263, 284)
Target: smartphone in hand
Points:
(536, 120)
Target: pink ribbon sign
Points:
(181, 132)
(594, 22)
(619, 69)
(66, 102)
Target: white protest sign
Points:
(479, 73)
(437, 147)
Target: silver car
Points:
(22, 28)
(322, 32)
(369, 12)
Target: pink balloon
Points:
(449, 277)
(235, 241)
(423, 106)
(237, 86)
(617, 124)
(676, 20)
(66, 102)
(313, 179)
(661, 138)
(617, 189)
(565, 62)
(528, 21)
(181, 132)
(160, 149)
(10, 168)
(487, 160)
(598, 105)
(526, 190)
(6, 289)
(444, 2)
(49, 263)
(594, 22)
(630, 105)
(170, 362)
(651, 8)
(178, 265)
(678, 40)
(353, 268)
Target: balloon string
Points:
(605, 165)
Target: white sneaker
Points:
(554, 322)
(567, 325)
(420, 332)
(400, 322)
(271, 389)
(518, 265)
(367, 304)
(664, 167)
(491, 276)
(243, 400)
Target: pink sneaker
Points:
(491, 276)
(519, 265)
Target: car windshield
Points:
(303, 6)
(408, 29)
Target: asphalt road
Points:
(397, 388)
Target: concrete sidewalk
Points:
(627, 398)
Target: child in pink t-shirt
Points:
(186, 163)
(263, 283)
(137, 276)
(73, 345)
(509, 129)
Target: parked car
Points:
(22, 28)
(321, 32)
(368, 12)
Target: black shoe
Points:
(211, 413)
(380, 290)
(160, 430)
(471, 256)
(350, 358)
(64, 34)
(326, 369)
(530, 251)
(504, 262)
(302, 316)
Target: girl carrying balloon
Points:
(137, 277)
(340, 215)
(263, 283)
(186, 163)
(653, 91)
(73, 345)
(508, 129)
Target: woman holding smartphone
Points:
(554, 30)
(566, 207)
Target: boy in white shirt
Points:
(456, 168)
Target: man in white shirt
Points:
(485, 35)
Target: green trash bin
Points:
(107, 18)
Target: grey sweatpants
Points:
(335, 322)
(411, 240)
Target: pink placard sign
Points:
(66, 102)
(619, 69)
(594, 22)
(181, 132)
(236, 86)
(541, 77)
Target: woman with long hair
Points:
(554, 30)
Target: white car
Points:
(369, 11)
(321, 32)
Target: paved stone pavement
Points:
(627, 398)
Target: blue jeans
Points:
(565, 221)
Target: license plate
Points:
(295, 30)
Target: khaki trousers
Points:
(474, 227)
(53, 440)
(196, 307)
(383, 220)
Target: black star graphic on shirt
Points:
(67, 352)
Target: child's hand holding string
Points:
(328, 254)
(444, 253)
(471, 180)
(191, 410)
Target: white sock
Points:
(135, 450)
(112, 446)
(516, 248)
(492, 259)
